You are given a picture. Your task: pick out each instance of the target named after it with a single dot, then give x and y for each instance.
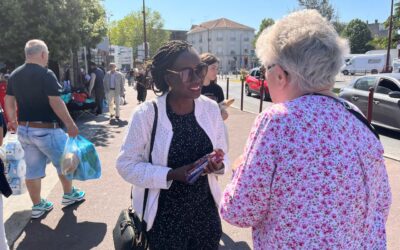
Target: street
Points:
(390, 139)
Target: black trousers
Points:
(141, 92)
(99, 98)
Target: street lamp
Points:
(390, 37)
(146, 52)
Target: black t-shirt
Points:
(213, 91)
(31, 85)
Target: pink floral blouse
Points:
(312, 177)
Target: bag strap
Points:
(153, 133)
(357, 114)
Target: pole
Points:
(241, 94)
(370, 101)
(144, 33)
(227, 88)
(390, 38)
(262, 78)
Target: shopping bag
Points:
(87, 166)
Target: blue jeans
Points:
(41, 144)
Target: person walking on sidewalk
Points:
(312, 175)
(96, 84)
(178, 215)
(114, 87)
(37, 92)
(141, 86)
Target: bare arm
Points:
(61, 111)
(91, 85)
(11, 110)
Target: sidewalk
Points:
(89, 225)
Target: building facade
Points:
(122, 57)
(231, 42)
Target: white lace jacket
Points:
(132, 162)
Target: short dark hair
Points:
(164, 58)
(93, 64)
(209, 58)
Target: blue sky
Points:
(181, 14)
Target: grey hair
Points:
(307, 46)
(34, 47)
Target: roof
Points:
(222, 23)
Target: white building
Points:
(231, 42)
(122, 57)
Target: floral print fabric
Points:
(312, 177)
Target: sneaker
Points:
(75, 196)
(40, 209)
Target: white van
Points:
(365, 63)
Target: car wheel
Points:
(345, 72)
(247, 90)
(352, 73)
(374, 71)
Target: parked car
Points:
(386, 101)
(253, 84)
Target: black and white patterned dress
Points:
(187, 216)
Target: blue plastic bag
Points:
(89, 166)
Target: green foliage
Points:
(382, 42)
(359, 36)
(323, 6)
(265, 23)
(64, 25)
(129, 31)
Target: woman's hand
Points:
(179, 174)
(215, 163)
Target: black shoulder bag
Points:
(130, 231)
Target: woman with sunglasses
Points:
(312, 175)
(189, 126)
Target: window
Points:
(220, 37)
(219, 51)
(233, 38)
(233, 52)
(374, 61)
(385, 86)
(246, 39)
(246, 51)
(365, 83)
(201, 50)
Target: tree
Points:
(323, 6)
(359, 36)
(265, 23)
(382, 42)
(64, 25)
(129, 31)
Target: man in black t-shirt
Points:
(36, 92)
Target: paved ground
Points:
(89, 225)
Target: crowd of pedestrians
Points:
(312, 174)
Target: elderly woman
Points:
(312, 175)
(189, 126)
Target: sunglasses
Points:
(189, 74)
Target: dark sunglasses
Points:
(188, 74)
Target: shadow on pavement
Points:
(119, 123)
(387, 132)
(68, 234)
(230, 244)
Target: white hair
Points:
(34, 47)
(305, 45)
